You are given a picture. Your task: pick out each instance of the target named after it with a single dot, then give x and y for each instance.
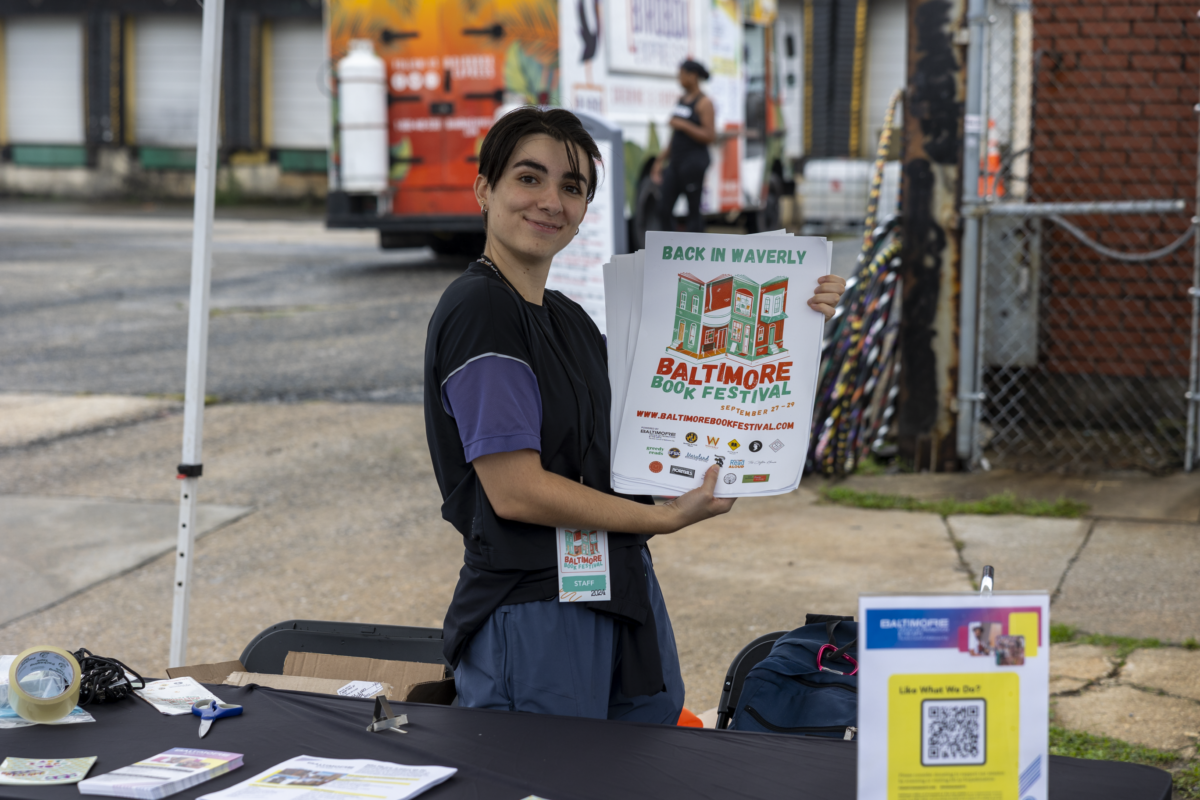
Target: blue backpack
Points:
(807, 685)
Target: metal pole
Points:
(197, 354)
(973, 126)
(1193, 392)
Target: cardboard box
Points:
(295, 683)
(207, 673)
(404, 675)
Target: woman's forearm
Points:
(520, 489)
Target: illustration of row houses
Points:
(581, 543)
(730, 315)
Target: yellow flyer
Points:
(953, 697)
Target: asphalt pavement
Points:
(94, 302)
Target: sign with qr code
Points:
(954, 696)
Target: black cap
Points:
(696, 68)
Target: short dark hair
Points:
(557, 123)
(696, 68)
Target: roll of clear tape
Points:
(43, 684)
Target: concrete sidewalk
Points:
(347, 526)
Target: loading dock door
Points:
(300, 115)
(44, 94)
(167, 81)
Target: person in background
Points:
(680, 168)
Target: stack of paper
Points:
(164, 774)
(713, 355)
(350, 779)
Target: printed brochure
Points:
(713, 359)
(175, 696)
(351, 779)
(953, 692)
(163, 775)
(46, 771)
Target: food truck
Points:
(418, 83)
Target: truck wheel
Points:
(645, 213)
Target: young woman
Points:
(517, 417)
(680, 168)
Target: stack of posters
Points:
(713, 354)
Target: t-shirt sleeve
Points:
(496, 404)
(483, 368)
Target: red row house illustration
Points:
(729, 316)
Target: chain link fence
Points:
(1083, 332)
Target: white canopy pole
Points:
(190, 467)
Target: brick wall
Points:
(1115, 83)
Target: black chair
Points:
(743, 662)
(746, 660)
(267, 651)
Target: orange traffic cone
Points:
(989, 167)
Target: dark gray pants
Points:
(549, 657)
(683, 176)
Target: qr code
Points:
(952, 732)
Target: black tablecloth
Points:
(504, 755)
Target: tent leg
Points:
(190, 467)
(183, 569)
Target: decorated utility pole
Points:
(931, 255)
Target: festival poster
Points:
(954, 696)
(725, 365)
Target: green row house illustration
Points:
(731, 316)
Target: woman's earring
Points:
(577, 231)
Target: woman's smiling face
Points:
(535, 208)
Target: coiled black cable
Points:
(104, 680)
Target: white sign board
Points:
(578, 269)
(953, 696)
(652, 37)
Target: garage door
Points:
(44, 94)
(167, 80)
(299, 110)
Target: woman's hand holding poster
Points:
(713, 359)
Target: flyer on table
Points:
(953, 696)
(726, 362)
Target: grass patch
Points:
(1061, 634)
(1006, 503)
(1124, 644)
(1190, 643)
(1076, 744)
(870, 466)
(1187, 782)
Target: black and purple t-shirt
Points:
(502, 374)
